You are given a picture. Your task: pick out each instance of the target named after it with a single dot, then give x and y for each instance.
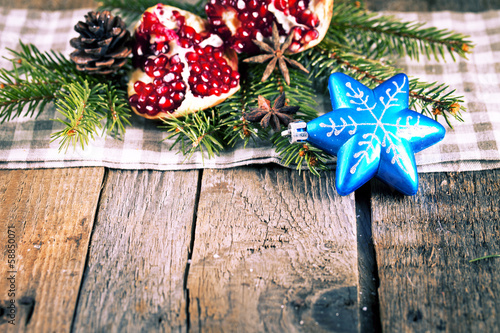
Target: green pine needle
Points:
(486, 257)
(77, 103)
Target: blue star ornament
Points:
(373, 133)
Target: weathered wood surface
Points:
(274, 251)
(134, 277)
(135, 282)
(424, 244)
(52, 213)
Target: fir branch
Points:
(300, 154)
(33, 81)
(379, 35)
(431, 99)
(17, 95)
(77, 103)
(131, 11)
(113, 105)
(197, 131)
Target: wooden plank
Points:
(50, 214)
(134, 278)
(424, 244)
(274, 251)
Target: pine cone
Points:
(103, 45)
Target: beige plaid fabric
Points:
(473, 145)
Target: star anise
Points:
(276, 115)
(276, 55)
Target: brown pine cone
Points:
(103, 45)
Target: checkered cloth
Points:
(472, 145)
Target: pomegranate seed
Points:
(214, 91)
(234, 83)
(225, 89)
(178, 97)
(201, 88)
(197, 38)
(165, 103)
(217, 22)
(189, 32)
(159, 72)
(280, 5)
(244, 32)
(205, 66)
(227, 70)
(263, 10)
(310, 35)
(199, 50)
(160, 60)
(297, 33)
(205, 76)
(313, 21)
(240, 5)
(235, 75)
(208, 49)
(250, 25)
(151, 110)
(222, 62)
(216, 84)
(185, 43)
(162, 90)
(294, 47)
(152, 99)
(301, 5)
(191, 57)
(216, 72)
(226, 79)
(177, 68)
(218, 54)
(176, 59)
(133, 100)
(179, 86)
(196, 68)
(252, 4)
(149, 69)
(148, 88)
(142, 100)
(139, 87)
(244, 16)
(169, 77)
(192, 80)
(140, 108)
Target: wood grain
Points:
(424, 244)
(52, 213)
(274, 251)
(134, 279)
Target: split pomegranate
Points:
(238, 22)
(180, 66)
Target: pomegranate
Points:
(238, 22)
(180, 66)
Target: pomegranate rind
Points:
(324, 10)
(191, 104)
